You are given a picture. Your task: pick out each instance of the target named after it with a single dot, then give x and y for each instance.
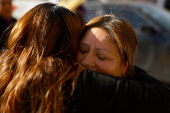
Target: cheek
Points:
(110, 68)
(79, 57)
(103, 67)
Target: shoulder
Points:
(101, 92)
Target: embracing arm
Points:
(101, 93)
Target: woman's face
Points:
(101, 53)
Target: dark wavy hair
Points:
(39, 59)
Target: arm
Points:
(101, 93)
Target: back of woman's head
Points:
(41, 51)
(122, 33)
(46, 30)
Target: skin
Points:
(101, 53)
(6, 9)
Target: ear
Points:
(125, 66)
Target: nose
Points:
(89, 60)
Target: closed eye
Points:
(83, 51)
(101, 58)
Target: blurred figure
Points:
(167, 4)
(5, 19)
(163, 3)
(81, 11)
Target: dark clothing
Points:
(4, 24)
(101, 93)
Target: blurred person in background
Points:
(163, 3)
(167, 4)
(6, 20)
(80, 11)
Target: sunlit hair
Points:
(39, 60)
(122, 33)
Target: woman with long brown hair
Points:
(40, 53)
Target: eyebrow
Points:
(97, 49)
(85, 44)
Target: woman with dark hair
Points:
(40, 53)
(108, 45)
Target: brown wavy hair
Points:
(39, 60)
(122, 33)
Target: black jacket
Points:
(100, 93)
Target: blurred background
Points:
(149, 18)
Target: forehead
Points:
(99, 39)
(98, 35)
